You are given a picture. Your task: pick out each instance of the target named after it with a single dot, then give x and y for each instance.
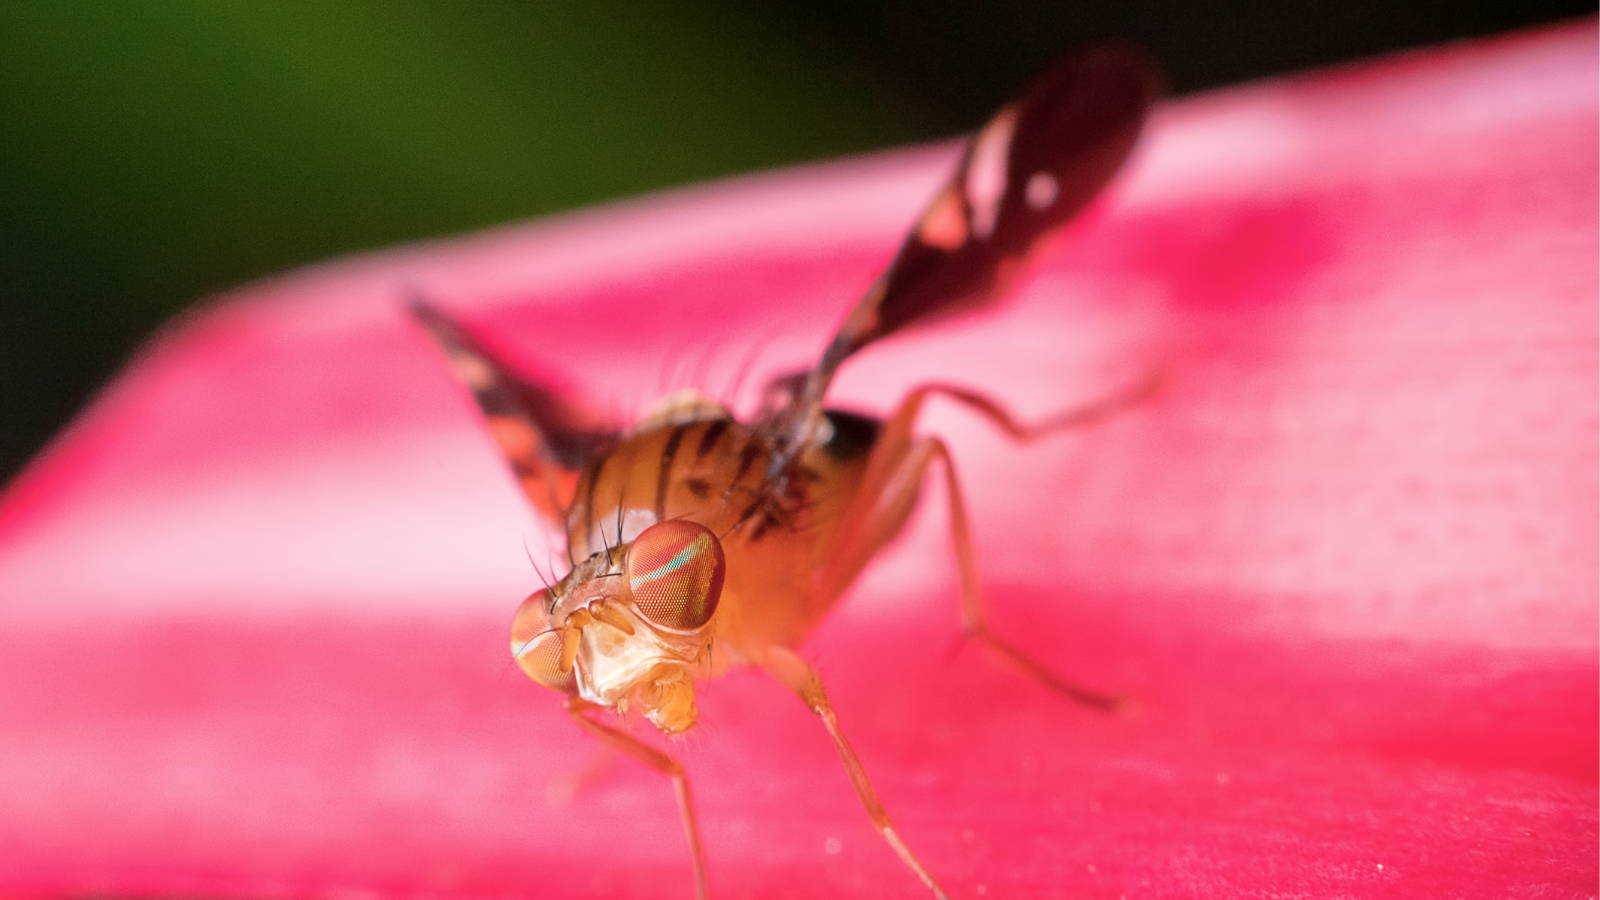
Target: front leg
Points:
(655, 759)
(794, 672)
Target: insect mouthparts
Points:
(668, 699)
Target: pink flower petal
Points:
(256, 599)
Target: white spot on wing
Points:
(987, 175)
(1042, 190)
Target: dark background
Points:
(156, 151)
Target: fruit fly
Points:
(694, 531)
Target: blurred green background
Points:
(153, 152)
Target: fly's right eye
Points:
(537, 647)
(675, 570)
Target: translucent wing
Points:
(1036, 164)
(544, 440)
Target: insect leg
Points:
(565, 788)
(893, 479)
(974, 619)
(794, 672)
(655, 759)
(1083, 416)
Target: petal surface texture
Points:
(255, 600)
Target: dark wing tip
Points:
(1081, 119)
(441, 326)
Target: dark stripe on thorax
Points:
(709, 438)
(747, 458)
(663, 477)
(748, 512)
(588, 498)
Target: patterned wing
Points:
(544, 440)
(1035, 165)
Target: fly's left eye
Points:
(675, 571)
(538, 648)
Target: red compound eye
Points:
(536, 647)
(675, 571)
